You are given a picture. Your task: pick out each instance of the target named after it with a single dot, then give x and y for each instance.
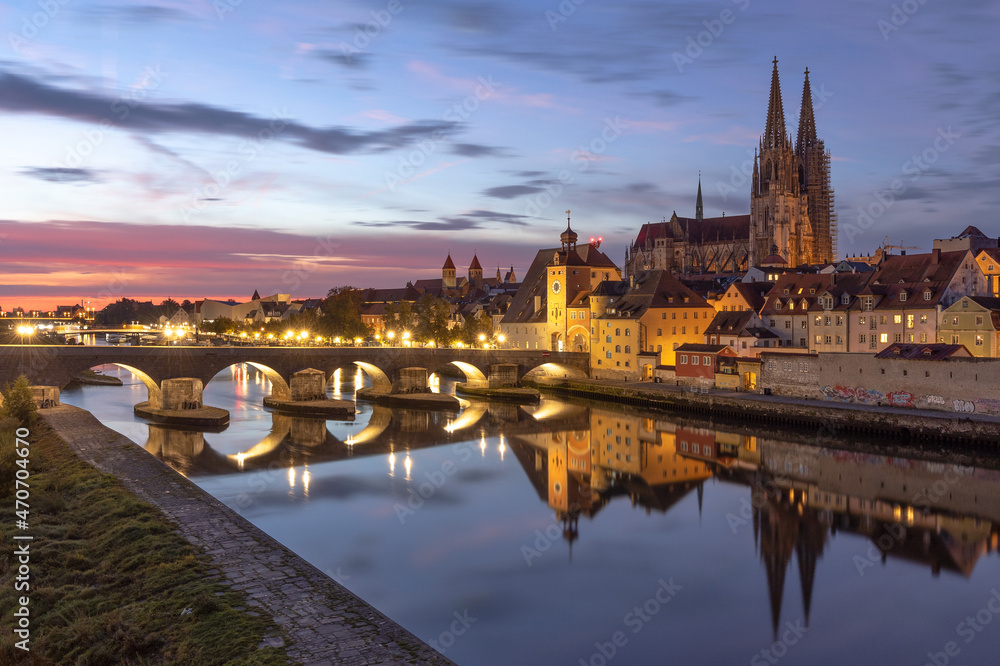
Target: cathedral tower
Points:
(448, 273)
(791, 203)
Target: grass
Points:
(111, 582)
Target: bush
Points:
(19, 403)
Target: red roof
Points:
(448, 263)
(473, 266)
(928, 352)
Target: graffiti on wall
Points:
(852, 394)
(964, 406)
(901, 399)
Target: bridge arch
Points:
(154, 397)
(555, 371)
(473, 375)
(380, 381)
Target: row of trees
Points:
(427, 320)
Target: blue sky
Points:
(205, 148)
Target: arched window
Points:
(618, 349)
(628, 349)
(618, 331)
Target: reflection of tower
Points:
(785, 525)
(778, 535)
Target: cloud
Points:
(141, 13)
(477, 150)
(356, 60)
(510, 191)
(62, 174)
(19, 94)
(463, 222)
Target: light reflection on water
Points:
(553, 526)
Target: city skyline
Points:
(196, 149)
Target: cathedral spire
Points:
(774, 130)
(699, 209)
(807, 121)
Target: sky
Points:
(208, 148)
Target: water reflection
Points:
(761, 530)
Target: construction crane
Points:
(886, 246)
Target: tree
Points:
(169, 307)
(476, 325)
(398, 318)
(432, 320)
(342, 313)
(187, 306)
(18, 402)
(220, 326)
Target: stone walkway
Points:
(323, 623)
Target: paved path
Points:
(323, 622)
(652, 388)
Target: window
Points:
(608, 339)
(902, 296)
(777, 305)
(684, 330)
(923, 337)
(979, 320)
(909, 337)
(628, 332)
(897, 319)
(873, 344)
(826, 339)
(954, 339)
(659, 332)
(608, 355)
(861, 338)
(802, 342)
(954, 321)
(826, 321)
(572, 315)
(695, 359)
(819, 339)
(866, 303)
(772, 323)
(845, 298)
(618, 331)
(673, 330)
(817, 320)
(696, 330)
(898, 337)
(861, 320)
(618, 349)
(804, 305)
(628, 349)
(840, 320)
(706, 360)
(685, 314)
(663, 315)
(884, 319)
(684, 359)
(883, 338)
(909, 321)
(788, 323)
(805, 324)
(840, 340)
(927, 294)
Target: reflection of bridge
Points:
(55, 365)
(298, 440)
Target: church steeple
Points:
(568, 237)
(699, 208)
(807, 121)
(774, 130)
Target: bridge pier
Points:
(503, 375)
(45, 396)
(308, 384)
(181, 393)
(411, 380)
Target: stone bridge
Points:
(389, 368)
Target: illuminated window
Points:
(883, 338)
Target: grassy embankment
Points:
(111, 582)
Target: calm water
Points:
(567, 534)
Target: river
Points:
(576, 533)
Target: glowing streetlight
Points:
(501, 339)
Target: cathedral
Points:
(791, 209)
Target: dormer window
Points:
(786, 291)
(805, 305)
(777, 304)
(845, 299)
(927, 294)
(902, 296)
(866, 303)
(812, 292)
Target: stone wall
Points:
(45, 396)
(959, 385)
(503, 375)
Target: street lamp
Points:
(390, 335)
(501, 339)
(406, 338)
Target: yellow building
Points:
(550, 311)
(973, 321)
(652, 312)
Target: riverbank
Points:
(321, 621)
(893, 423)
(110, 580)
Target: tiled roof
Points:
(926, 352)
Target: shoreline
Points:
(322, 621)
(923, 427)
